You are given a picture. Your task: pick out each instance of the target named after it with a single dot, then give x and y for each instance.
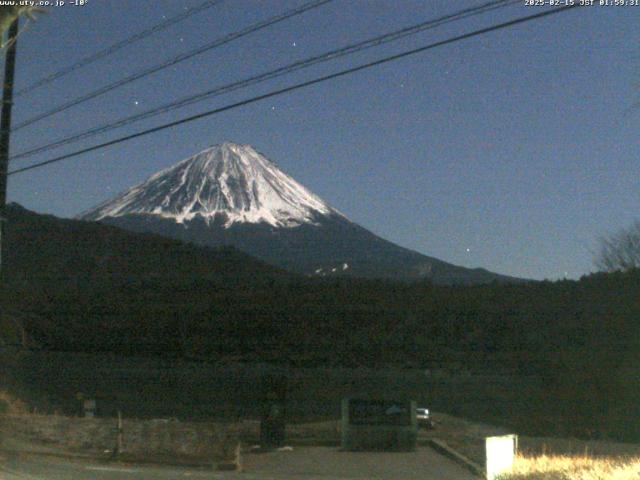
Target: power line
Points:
(298, 86)
(285, 70)
(173, 61)
(118, 46)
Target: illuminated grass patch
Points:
(559, 467)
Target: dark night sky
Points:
(513, 151)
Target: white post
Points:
(119, 431)
(500, 452)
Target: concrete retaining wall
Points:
(155, 438)
(140, 438)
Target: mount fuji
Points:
(232, 195)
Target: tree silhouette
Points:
(621, 250)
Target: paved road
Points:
(38, 467)
(328, 463)
(305, 463)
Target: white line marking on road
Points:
(111, 469)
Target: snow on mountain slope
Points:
(232, 195)
(232, 182)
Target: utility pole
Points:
(5, 126)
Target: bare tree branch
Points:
(620, 251)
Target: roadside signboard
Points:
(379, 412)
(379, 424)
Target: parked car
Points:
(424, 418)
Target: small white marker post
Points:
(500, 453)
(119, 441)
(89, 407)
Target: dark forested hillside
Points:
(90, 287)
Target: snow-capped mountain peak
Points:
(230, 181)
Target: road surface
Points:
(304, 463)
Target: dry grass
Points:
(11, 405)
(561, 467)
(573, 447)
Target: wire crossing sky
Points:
(127, 42)
(513, 151)
(293, 88)
(173, 61)
(285, 70)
